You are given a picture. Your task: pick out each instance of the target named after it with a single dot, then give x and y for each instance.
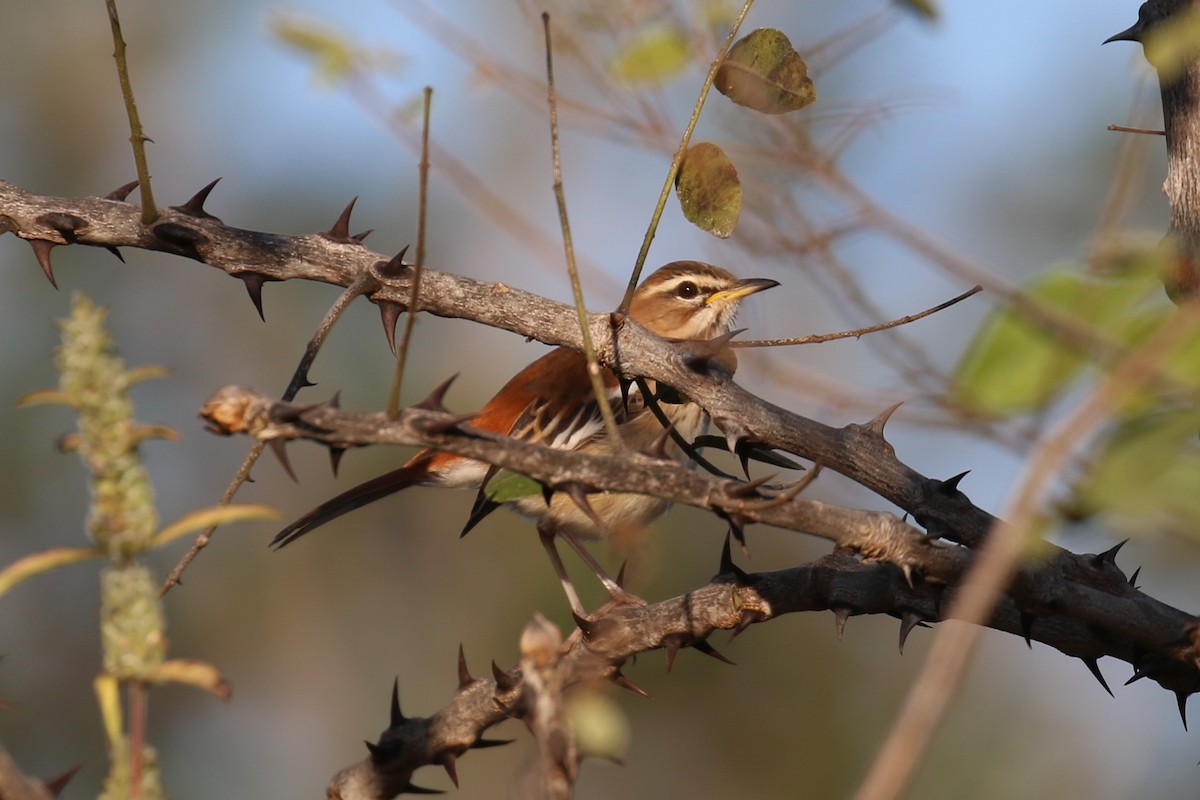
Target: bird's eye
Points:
(686, 290)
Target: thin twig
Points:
(953, 647)
(393, 405)
(589, 351)
(857, 332)
(677, 160)
(1125, 129)
(137, 736)
(137, 138)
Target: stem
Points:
(678, 159)
(137, 138)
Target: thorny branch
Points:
(1082, 605)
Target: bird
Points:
(551, 401)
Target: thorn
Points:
(1133, 578)
(393, 268)
(434, 401)
(340, 232)
(907, 622)
(1027, 628)
(749, 488)
(578, 494)
(907, 569)
(877, 424)
(359, 237)
(727, 567)
(279, 448)
(1138, 674)
(41, 251)
(672, 643)
(1181, 697)
(396, 717)
(699, 354)
(621, 574)
(1133, 33)
(195, 206)
(840, 615)
(585, 625)
(121, 192)
(483, 505)
(115, 252)
(483, 744)
(624, 383)
(743, 454)
(504, 681)
(949, 487)
(464, 675)
(449, 762)
(389, 313)
(335, 458)
(56, 784)
(625, 683)
(547, 493)
(1093, 665)
(1109, 556)
(658, 448)
(254, 286)
(747, 619)
(708, 650)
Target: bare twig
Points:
(1125, 129)
(137, 138)
(816, 338)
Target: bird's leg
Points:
(547, 532)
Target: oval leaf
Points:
(654, 55)
(764, 72)
(45, 561)
(708, 189)
(214, 515)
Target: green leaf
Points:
(654, 55)
(37, 563)
(708, 189)
(764, 72)
(507, 486)
(1014, 365)
(214, 515)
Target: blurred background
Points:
(983, 133)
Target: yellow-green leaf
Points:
(145, 372)
(508, 486)
(189, 671)
(214, 515)
(654, 55)
(44, 396)
(44, 561)
(108, 695)
(709, 191)
(764, 72)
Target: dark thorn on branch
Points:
(41, 251)
(1135, 31)
(908, 621)
(698, 354)
(482, 743)
(585, 625)
(1133, 578)
(359, 237)
(624, 384)
(121, 192)
(578, 494)
(620, 580)
(59, 782)
(1138, 674)
(279, 448)
(625, 683)
(335, 458)
(1093, 666)
(1181, 697)
(434, 401)
(949, 487)
(840, 615)
(1027, 628)
(115, 252)
(195, 206)
(749, 488)
(340, 232)
(397, 717)
(464, 674)
(504, 681)
(658, 448)
(748, 618)
(449, 763)
(254, 287)
(1109, 556)
(710, 651)
(877, 424)
(389, 314)
(671, 643)
(393, 268)
(727, 567)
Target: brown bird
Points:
(551, 402)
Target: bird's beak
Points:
(741, 289)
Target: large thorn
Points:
(389, 314)
(59, 782)
(747, 618)
(578, 493)
(359, 237)
(393, 268)
(1109, 556)
(908, 621)
(1027, 628)
(254, 285)
(121, 192)
(41, 251)
(482, 744)
(1181, 697)
(1135, 32)
(672, 643)
(625, 683)
(877, 424)
(340, 232)
(335, 458)
(397, 718)
(710, 651)
(464, 674)
(698, 355)
(1133, 578)
(949, 487)
(434, 401)
(840, 615)
(658, 448)
(727, 567)
(449, 763)
(279, 448)
(1093, 666)
(194, 207)
(115, 252)
(504, 681)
